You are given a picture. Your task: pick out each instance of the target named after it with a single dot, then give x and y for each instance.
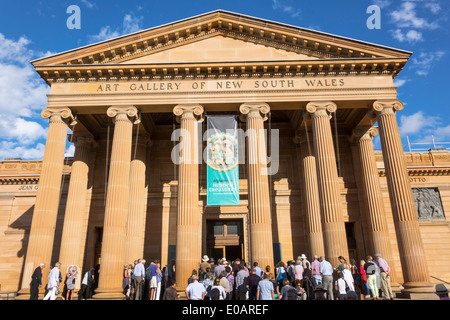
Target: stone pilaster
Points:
(333, 225)
(261, 243)
(42, 232)
(116, 209)
(412, 255)
(134, 243)
(76, 215)
(373, 197)
(311, 194)
(189, 221)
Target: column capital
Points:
(385, 107)
(254, 109)
(189, 111)
(143, 139)
(364, 133)
(58, 115)
(122, 112)
(320, 108)
(81, 138)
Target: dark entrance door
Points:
(224, 239)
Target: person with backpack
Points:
(281, 274)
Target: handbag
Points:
(58, 290)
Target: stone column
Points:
(189, 221)
(116, 209)
(76, 216)
(42, 232)
(311, 195)
(335, 238)
(261, 243)
(412, 255)
(373, 198)
(137, 212)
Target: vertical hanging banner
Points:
(223, 161)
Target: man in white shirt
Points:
(139, 278)
(326, 270)
(53, 282)
(195, 290)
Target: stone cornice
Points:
(422, 172)
(159, 71)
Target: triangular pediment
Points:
(217, 42)
(285, 38)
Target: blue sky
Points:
(30, 29)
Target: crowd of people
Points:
(297, 279)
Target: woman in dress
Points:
(70, 282)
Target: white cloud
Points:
(130, 24)
(416, 123)
(88, 3)
(22, 97)
(400, 82)
(409, 20)
(410, 36)
(382, 3)
(406, 17)
(70, 151)
(424, 62)
(13, 150)
(286, 7)
(433, 6)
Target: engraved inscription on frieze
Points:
(428, 203)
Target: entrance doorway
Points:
(224, 239)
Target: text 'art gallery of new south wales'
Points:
(229, 136)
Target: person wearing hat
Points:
(36, 282)
(305, 263)
(203, 266)
(442, 292)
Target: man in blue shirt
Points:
(265, 289)
(259, 271)
(195, 290)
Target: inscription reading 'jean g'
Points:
(225, 85)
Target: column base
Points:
(418, 291)
(108, 294)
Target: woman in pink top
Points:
(298, 270)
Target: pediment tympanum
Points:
(220, 48)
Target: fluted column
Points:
(373, 198)
(261, 243)
(188, 244)
(412, 256)
(42, 232)
(116, 209)
(335, 239)
(76, 215)
(134, 243)
(311, 195)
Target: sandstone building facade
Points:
(121, 197)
